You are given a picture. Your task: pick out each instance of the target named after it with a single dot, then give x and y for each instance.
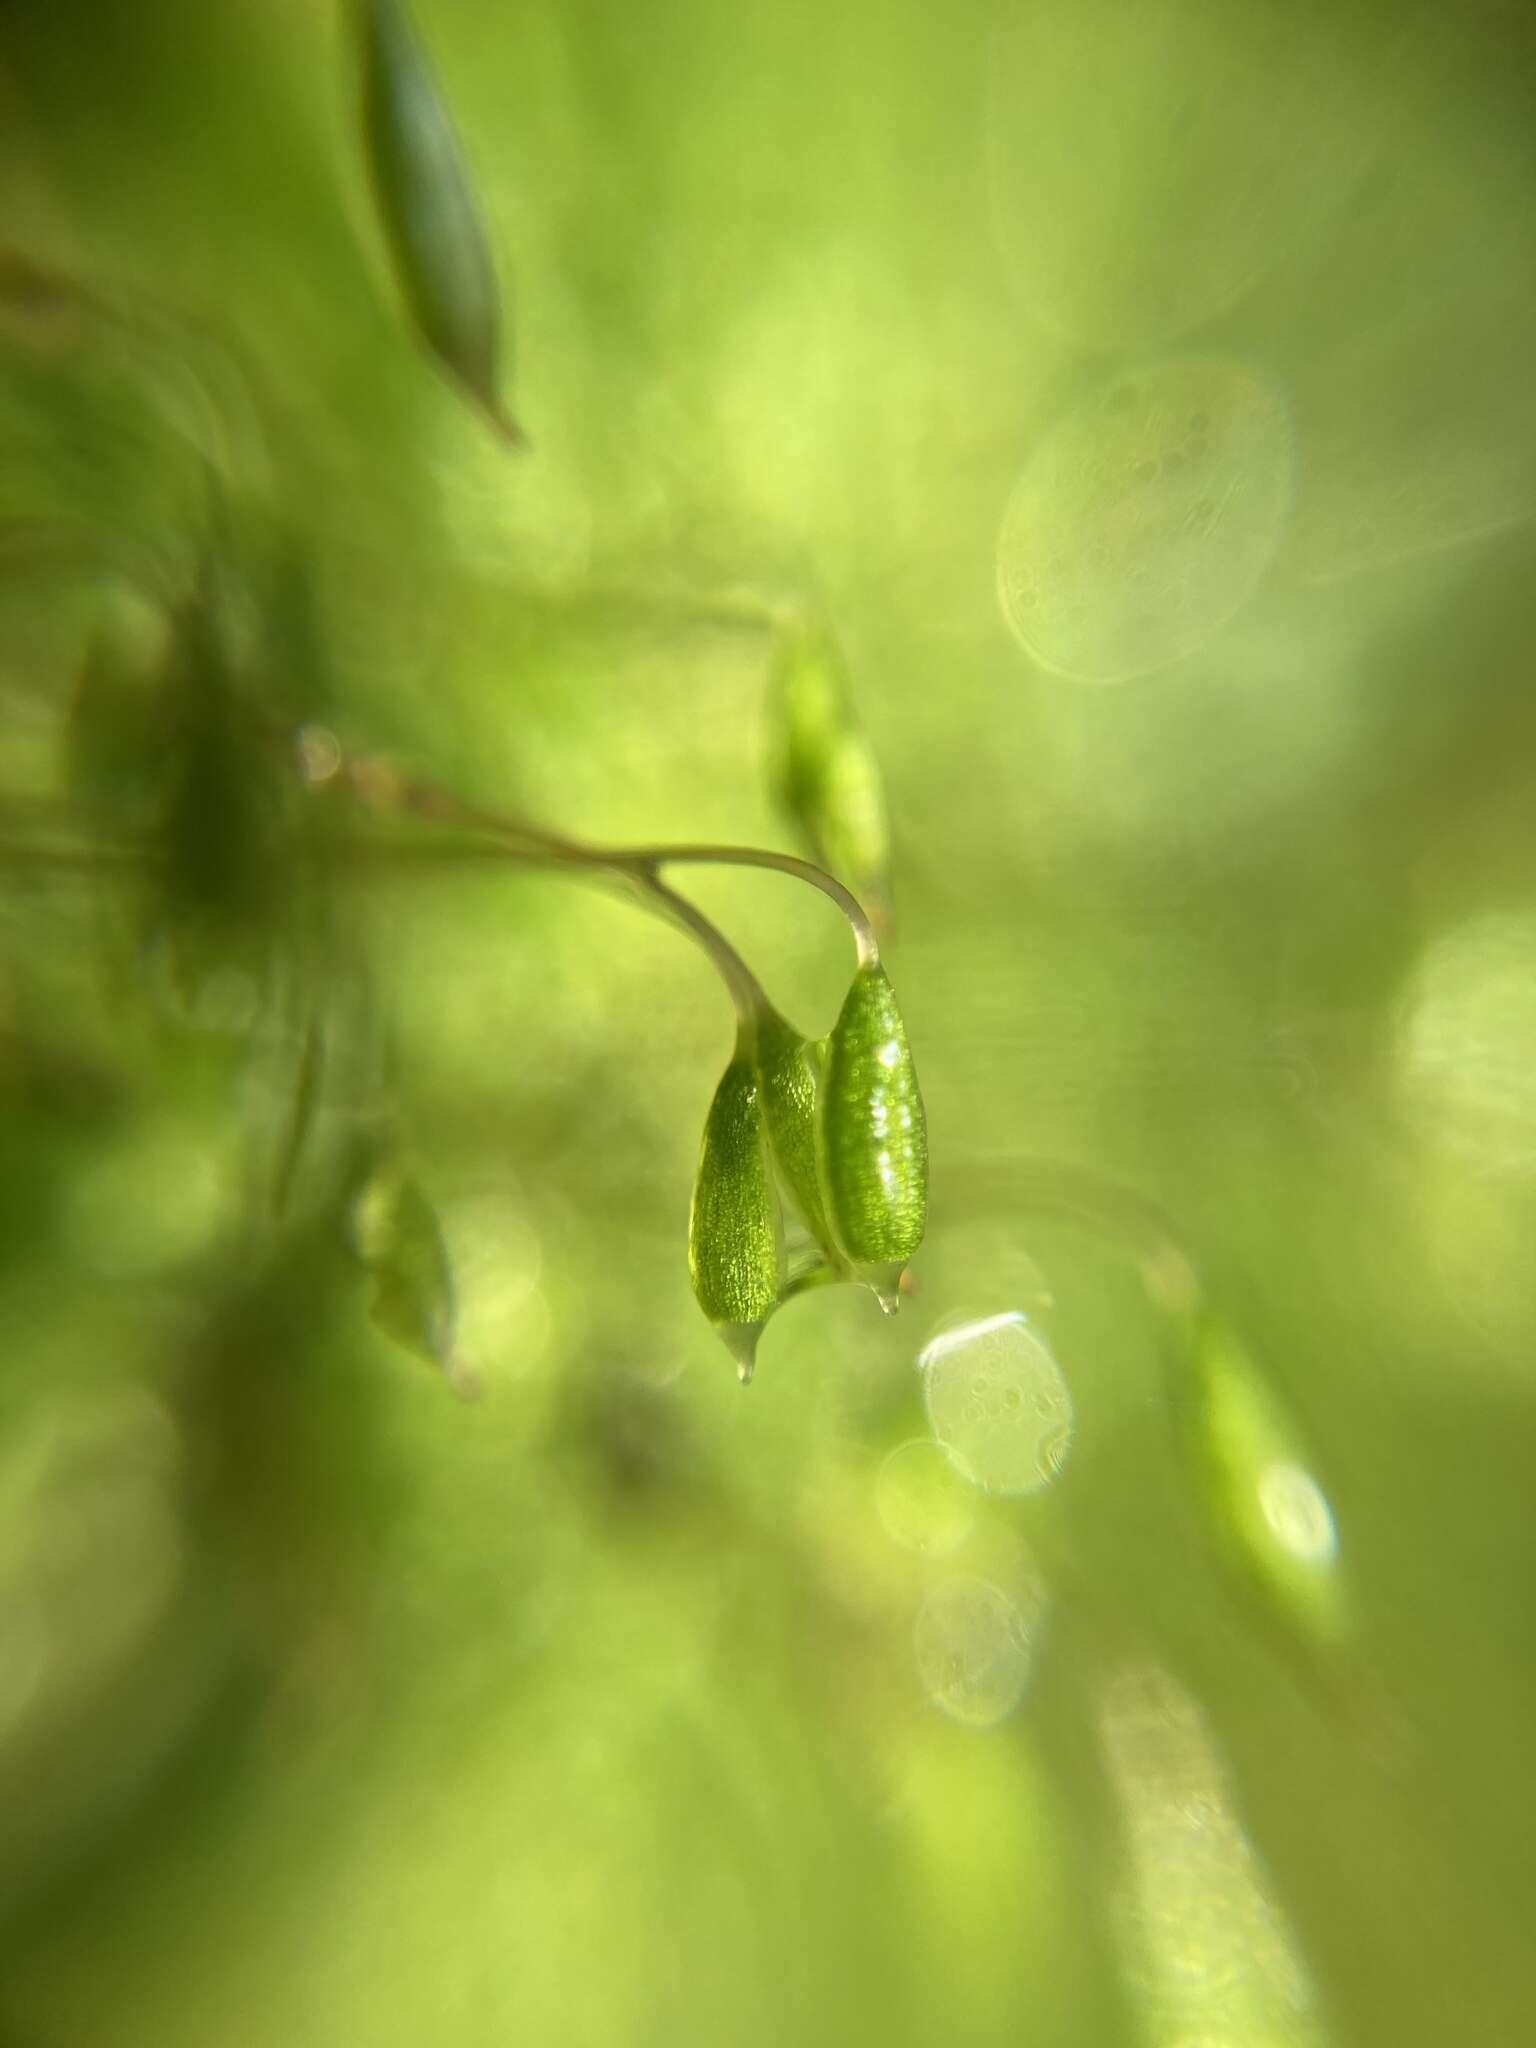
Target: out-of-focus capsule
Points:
(825, 772)
(400, 1241)
(427, 204)
(1264, 1508)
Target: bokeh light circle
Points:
(1145, 519)
(923, 1499)
(1465, 1048)
(973, 1649)
(998, 1403)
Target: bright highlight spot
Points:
(503, 1316)
(1208, 1954)
(319, 753)
(998, 1404)
(1467, 1043)
(1297, 1510)
(974, 1651)
(1145, 519)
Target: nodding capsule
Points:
(428, 209)
(735, 1229)
(874, 1131)
(789, 1071)
(825, 773)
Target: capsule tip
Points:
(887, 1283)
(740, 1339)
(511, 434)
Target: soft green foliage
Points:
(112, 764)
(874, 1129)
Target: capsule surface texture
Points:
(875, 1134)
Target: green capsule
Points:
(735, 1229)
(1264, 1507)
(874, 1133)
(400, 1241)
(427, 203)
(825, 771)
(789, 1071)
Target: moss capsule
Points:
(427, 204)
(400, 1241)
(874, 1133)
(825, 771)
(789, 1073)
(1265, 1511)
(735, 1230)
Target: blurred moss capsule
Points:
(427, 203)
(400, 1241)
(735, 1230)
(825, 771)
(874, 1133)
(789, 1071)
(1266, 1511)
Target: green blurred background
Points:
(617, 1706)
